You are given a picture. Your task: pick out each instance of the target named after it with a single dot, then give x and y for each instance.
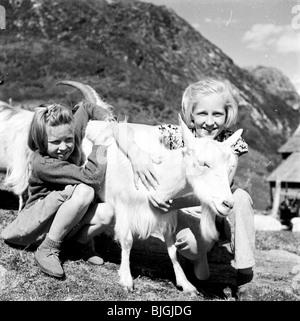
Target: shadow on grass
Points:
(29, 248)
(150, 258)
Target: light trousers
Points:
(237, 230)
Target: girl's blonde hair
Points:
(51, 115)
(194, 92)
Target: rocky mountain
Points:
(277, 83)
(139, 57)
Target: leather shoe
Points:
(243, 292)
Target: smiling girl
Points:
(209, 109)
(61, 203)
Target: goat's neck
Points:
(172, 180)
(208, 228)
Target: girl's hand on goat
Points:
(143, 169)
(141, 161)
(173, 204)
(158, 203)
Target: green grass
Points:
(25, 282)
(153, 279)
(278, 240)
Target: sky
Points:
(251, 32)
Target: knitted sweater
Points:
(51, 174)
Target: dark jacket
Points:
(50, 174)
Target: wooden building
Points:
(285, 179)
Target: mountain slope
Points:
(277, 83)
(138, 56)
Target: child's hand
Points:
(174, 204)
(159, 204)
(143, 169)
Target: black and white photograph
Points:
(150, 153)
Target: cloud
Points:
(282, 38)
(289, 42)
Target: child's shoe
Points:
(242, 291)
(48, 261)
(74, 250)
(88, 253)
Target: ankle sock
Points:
(49, 243)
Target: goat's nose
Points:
(228, 204)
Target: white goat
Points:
(202, 168)
(14, 151)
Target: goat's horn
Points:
(88, 92)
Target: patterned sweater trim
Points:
(172, 138)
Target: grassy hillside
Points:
(140, 58)
(21, 280)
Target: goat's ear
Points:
(231, 141)
(188, 138)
